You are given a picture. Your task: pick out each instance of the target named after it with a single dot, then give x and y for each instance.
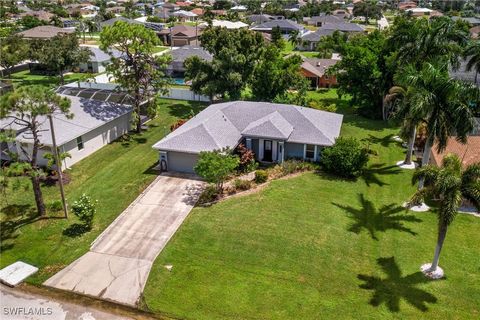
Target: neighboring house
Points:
(176, 68)
(44, 32)
(462, 74)
(310, 39)
(98, 60)
(406, 5)
(229, 24)
(319, 21)
(39, 14)
(261, 18)
(469, 153)
(422, 12)
(95, 124)
(315, 70)
(286, 26)
(184, 16)
(471, 20)
(274, 132)
(111, 22)
(180, 35)
(198, 11)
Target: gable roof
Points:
(317, 35)
(88, 115)
(224, 124)
(184, 52)
(98, 55)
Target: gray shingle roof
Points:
(317, 35)
(284, 24)
(184, 52)
(343, 26)
(99, 55)
(224, 124)
(88, 115)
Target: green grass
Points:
(319, 247)
(114, 175)
(160, 49)
(25, 78)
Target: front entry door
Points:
(267, 150)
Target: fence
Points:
(173, 93)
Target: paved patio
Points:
(117, 266)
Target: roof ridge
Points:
(313, 124)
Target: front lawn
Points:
(319, 247)
(25, 78)
(114, 175)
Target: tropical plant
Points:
(451, 184)
(346, 158)
(12, 51)
(443, 103)
(27, 108)
(138, 71)
(85, 208)
(216, 166)
(472, 54)
(294, 38)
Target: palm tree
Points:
(400, 98)
(442, 103)
(294, 38)
(472, 54)
(451, 184)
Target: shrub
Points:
(247, 158)
(346, 158)
(242, 185)
(293, 166)
(84, 209)
(261, 176)
(177, 124)
(55, 206)
(322, 106)
(208, 195)
(216, 166)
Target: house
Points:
(346, 27)
(229, 24)
(469, 153)
(471, 20)
(41, 15)
(44, 32)
(261, 18)
(180, 35)
(198, 11)
(319, 21)
(95, 124)
(98, 60)
(184, 16)
(462, 74)
(176, 67)
(311, 39)
(274, 132)
(315, 70)
(111, 22)
(422, 12)
(286, 26)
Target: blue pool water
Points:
(179, 80)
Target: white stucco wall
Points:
(92, 141)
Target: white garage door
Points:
(181, 162)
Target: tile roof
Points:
(224, 124)
(469, 153)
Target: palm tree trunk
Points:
(411, 145)
(426, 159)
(442, 232)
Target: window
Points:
(79, 143)
(310, 151)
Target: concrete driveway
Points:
(117, 266)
